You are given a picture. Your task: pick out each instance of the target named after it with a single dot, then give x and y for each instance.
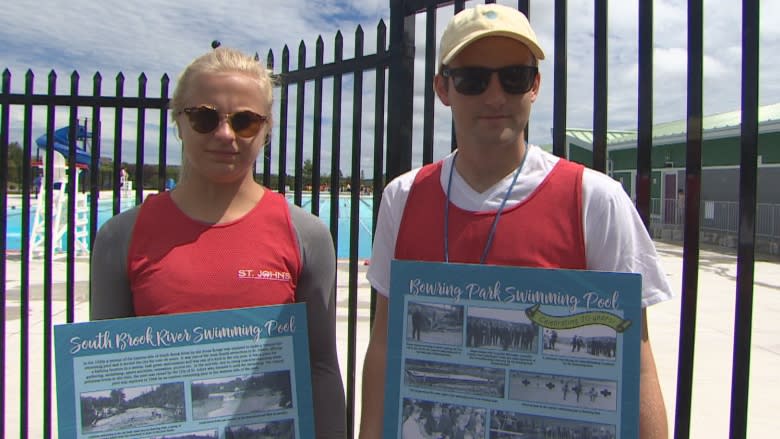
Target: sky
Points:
(157, 37)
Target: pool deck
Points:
(713, 353)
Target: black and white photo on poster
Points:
(591, 341)
(423, 419)
(455, 378)
(506, 424)
(282, 429)
(230, 396)
(501, 328)
(131, 407)
(437, 323)
(590, 393)
(204, 434)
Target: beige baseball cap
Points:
(491, 20)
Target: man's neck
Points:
(482, 169)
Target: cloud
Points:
(159, 37)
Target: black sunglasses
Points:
(205, 119)
(472, 81)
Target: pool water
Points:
(105, 207)
(363, 222)
(14, 219)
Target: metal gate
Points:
(392, 70)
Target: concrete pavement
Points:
(713, 353)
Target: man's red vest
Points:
(544, 230)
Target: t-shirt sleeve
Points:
(388, 222)
(317, 288)
(616, 238)
(110, 295)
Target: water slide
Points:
(61, 142)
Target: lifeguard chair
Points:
(59, 212)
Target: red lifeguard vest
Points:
(544, 230)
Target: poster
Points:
(217, 375)
(477, 351)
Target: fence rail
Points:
(718, 216)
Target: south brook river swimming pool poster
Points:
(217, 375)
(497, 352)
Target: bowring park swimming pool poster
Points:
(502, 352)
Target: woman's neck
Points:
(216, 203)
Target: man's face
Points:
(493, 118)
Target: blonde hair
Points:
(222, 60)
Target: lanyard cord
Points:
(492, 233)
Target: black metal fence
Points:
(392, 70)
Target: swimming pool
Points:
(363, 221)
(14, 219)
(105, 206)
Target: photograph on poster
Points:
(455, 378)
(439, 420)
(437, 323)
(131, 407)
(283, 429)
(564, 390)
(243, 394)
(590, 341)
(510, 425)
(205, 434)
(504, 329)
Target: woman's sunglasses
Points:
(472, 81)
(205, 119)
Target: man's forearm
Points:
(652, 411)
(373, 394)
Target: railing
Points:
(717, 216)
(108, 123)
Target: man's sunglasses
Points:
(472, 81)
(205, 119)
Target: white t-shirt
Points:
(615, 237)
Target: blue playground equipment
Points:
(61, 141)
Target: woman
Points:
(219, 239)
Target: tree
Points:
(14, 166)
(308, 171)
(117, 397)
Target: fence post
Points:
(401, 90)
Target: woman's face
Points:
(222, 156)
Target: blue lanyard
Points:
(492, 232)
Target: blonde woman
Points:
(219, 239)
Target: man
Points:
(439, 425)
(412, 429)
(553, 213)
(418, 320)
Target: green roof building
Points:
(720, 168)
